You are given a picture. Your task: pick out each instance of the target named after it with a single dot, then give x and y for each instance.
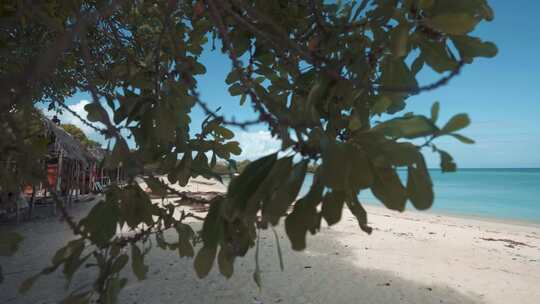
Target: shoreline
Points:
(479, 218)
(409, 208)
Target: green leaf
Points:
(135, 206)
(96, 113)
(27, 284)
(112, 290)
(137, 263)
(355, 123)
(198, 69)
(332, 207)
(233, 147)
(204, 261)
(382, 102)
(462, 138)
(278, 175)
(73, 260)
(243, 99)
(226, 133)
(453, 23)
(388, 189)
(213, 161)
(185, 235)
(182, 172)
(417, 65)
(399, 38)
(119, 154)
(236, 89)
(339, 177)
(9, 242)
(160, 240)
(425, 4)
(119, 263)
(447, 162)
(419, 186)
(436, 55)
(81, 298)
(304, 217)
(395, 73)
(360, 213)
(407, 127)
(240, 236)
(333, 173)
(456, 123)
(317, 92)
(435, 111)
(471, 47)
(284, 195)
(101, 222)
(397, 154)
(359, 171)
(226, 261)
(243, 187)
(487, 12)
(213, 226)
(157, 186)
(233, 77)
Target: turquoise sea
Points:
(507, 194)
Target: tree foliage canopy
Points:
(79, 135)
(319, 75)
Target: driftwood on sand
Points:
(509, 242)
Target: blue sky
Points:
(501, 95)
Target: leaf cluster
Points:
(318, 75)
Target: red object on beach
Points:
(52, 172)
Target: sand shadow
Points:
(315, 276)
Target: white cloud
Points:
(68, 118)
(256, 144)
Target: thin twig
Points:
(360, 8)
(83, 120)
(430, 87)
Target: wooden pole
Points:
(71, 183)
(101, 177)
(83, 184)
(86, 179)
(78, 176)
(46, 183)
(67, 184)
(16, 196)
(58, 175)
(59, 169)
(31, 203)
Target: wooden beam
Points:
(58, 176)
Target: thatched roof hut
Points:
(98, 153)
(63, 141)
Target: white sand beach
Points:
(410, 257)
